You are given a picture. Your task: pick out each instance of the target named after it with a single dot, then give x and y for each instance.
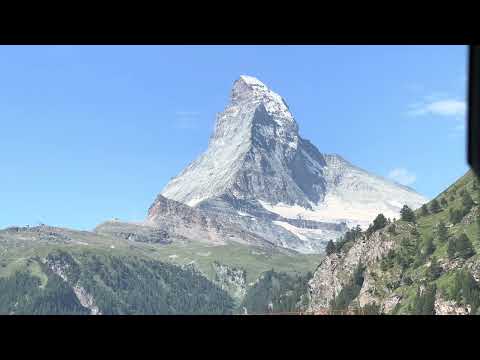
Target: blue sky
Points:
(89, 133)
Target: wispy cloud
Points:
(446, 107)
(402, 176)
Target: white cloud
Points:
(402, 176)
(445, 107)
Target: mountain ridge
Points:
(256, 159)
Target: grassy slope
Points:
(254, 261)
(426, 226)
(19, 251)
(119, 283)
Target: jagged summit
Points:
(255, 125)
(250, 89)
(250, 80)
(257, 165)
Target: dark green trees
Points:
(405, 255)
(392, 229)
(428, 247)
(467, 202)
(464, 247)
(424, 210)
(444, 202)
(451, 249)
(424, 303)
(460, 248)
(371, 309)
(467, 290)
(441, 232)
(456, 215)
(435, 207)
(330, 248)
(379, 223)
(407, 214)
(349, 237)
(434, 270)
(286, 293)
(119, 285)
(22, 294)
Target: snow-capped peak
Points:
(257, 163)
(250, 80)
(248, 89)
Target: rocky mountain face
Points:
(185, 222)
(259, 174)
(409, 267)
(335, 271)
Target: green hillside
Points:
(115, 283)
(128, 277)
(435, 258)
(445, 255)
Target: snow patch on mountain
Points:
(313, 239)
(353, 196)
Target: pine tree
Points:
(330, 248)
(451, 249)
(424, 210)
(435, 207)
(407, 214)
(428, 247)
(442, 232)
(424, 304)
(455, 216)
(406, 252)
(467, 202)
(380, 222)
(464, 247)
(418, 303)
(444, 202)
(434, 270)
(419, 259)
(371, 309)
(429, 300)
(392, 229)
(469, 289)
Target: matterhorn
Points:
(259, 175)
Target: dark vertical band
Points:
(474, 108)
